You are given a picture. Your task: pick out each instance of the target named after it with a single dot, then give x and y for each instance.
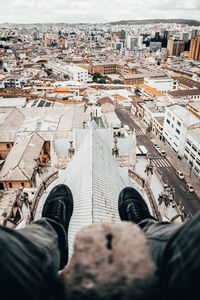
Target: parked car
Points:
(189, 187)
(180, 175)
(162, 152)
(156, 146)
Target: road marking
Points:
(182, 188)
(160, 162)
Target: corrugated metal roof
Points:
(95, 181)
(20, 163)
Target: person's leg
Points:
(181, 262)
(158, 235)
(133, 208)
(31, 257)
(42, 234)
(29, 265)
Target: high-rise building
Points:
(132, 42)
(155, 46)
(194, 52)
(175, 48)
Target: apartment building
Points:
(146, 91)
(111, 68)
(162, 84)
(174, 47)
(154, 116)
(194, 52)
(178, 121)
(192, 149)
(74, 72)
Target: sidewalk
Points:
(172, 157)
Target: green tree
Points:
(66, 76)
(49, 72)
(96, 76)
(117, 81)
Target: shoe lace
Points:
(54, 209)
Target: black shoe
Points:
(58, 210)
(132, 206)
(59, 205)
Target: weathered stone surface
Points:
(110, 261)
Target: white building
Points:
(74, 72)
(192, 149)
(162, 84)
(154, 116)
(178, 121)
(117, 45)
(2, 84)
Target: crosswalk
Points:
(138, 132)
(160, 163)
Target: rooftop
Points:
(19, 164)
(184, 93)
(151, 91)
(184, 114)
(188, 82)
(195, 105)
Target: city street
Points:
(190, 201)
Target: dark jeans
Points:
(30, 260)
(176, 252)
(29, 263)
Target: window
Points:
(22, 184)
(179, 123)
(196, 169)
(188, 142)
(168, 121)
(186, 149)
(192, 155)
(178, 131)
(186, 157)
(10, 185)
(198, 162)
(194, 148)
(8, 146)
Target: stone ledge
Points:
(110, 261)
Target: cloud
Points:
(75, 11)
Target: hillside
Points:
(154, 21)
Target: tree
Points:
(117, 81)
(49, 72)
(66, 76)
(102, 80)
(96, 76)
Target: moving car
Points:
(180, 175)
(189, 187)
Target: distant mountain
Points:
(154, 21)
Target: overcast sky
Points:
(75, 11)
